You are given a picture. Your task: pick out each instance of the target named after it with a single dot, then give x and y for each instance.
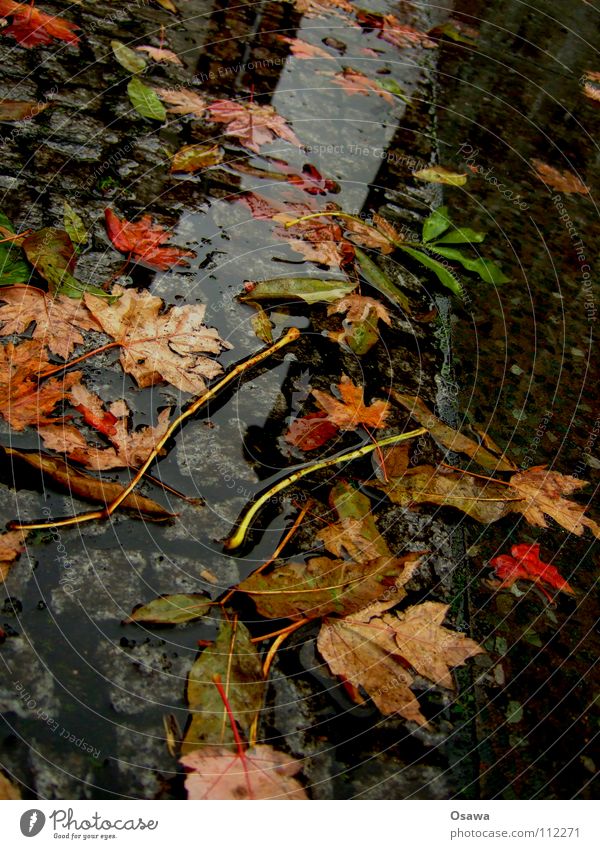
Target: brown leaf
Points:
(357, 308)
(258, 773)
(303, 50)
(355, 532)
(450, 438)
(8, 790)
(355, 82)
(351, 412)
(252, 125)
(160, 54)
(157, 346)
(87, 487)
(542, 492)
(235, 659)
(192, 157)
(11, 545)
(58, 319)
(562, 181)
(20, 110)
(183, 101)
(22, 402)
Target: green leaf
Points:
(13, 268)
(171, 609)
(436, 223)
(52, 254)
(439, 174)
(379, 280)
(145, 100)
(441, 272)
(389, 84)
(310, 289)
(131, 60)
(488, 270)
(460, 235)
(74, 225)
(235, 659)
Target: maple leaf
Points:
(355, 82)
(251, 124)
(303, 50)
(157, 346)
(11, 545)
(392, 31)
(58, 319)
(357, 308)
(542, 492)
(562, 181)
(160, 54)
(257, 773)
(311, 431)
(523, 563)
(183, 101)
(351, 412)
(30, 26)
(145, 241)
(22, 401)
(130, 449)
(363, 648)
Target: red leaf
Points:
(523, 563)
(312, 181)
(144, 241)
(31, 27)
(311, 431)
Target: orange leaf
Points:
(145, 241)
(31, 27)
(562, 181)
(351, 411)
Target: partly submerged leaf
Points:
(488, 270)
(235, 659)
(252, 125)
(360, 326)
(192, 157)
(171, 609)
(53, 255)
(8, 790)
(351, 412)
(183, 101)
(379, 280)
(543, 492)
(145, 101)
(311, 431)
(145, 241)
(443, 274)
(310, 289)
(87, 487)
(459, 235)
(257, 773)
(12, 544)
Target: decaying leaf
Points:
(439, 174)
(360, 327)
(53, 255)
(313, 290)
(392, 31)
(311, 431)
(258, 773)
(171, 609)
(351, 412)
(252, 125)
(235, 659)
(128, 58)
(523, 563)
(562, 181)
(183, 101)
(160, 54)
(303, 50)
(12, 544)
(193, 157)
(364, 648)
(22, 401)
(355, 82)
(145, 241)
(316, 8)
(591, 85)
(87, 487)
(170, 346)
(58, 319)
(261, 324)
(31, 27)
(543, 492)
(20, 110)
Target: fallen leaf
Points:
(261, 324)
(13, 268)
(235, 659)
(53, 255)
(145, 100)
(12, 544)
(20, 110)
(591, 85)
(192, 157)
(157, 346)
(168, 5)
(542, 492)
(359, 333)
(316, 8)
(351, 412)
(252, 125)
(183, 101)
(8, 789)
(171, 609)
(22, 401)
(323, 586)
(355, 82)
(310, 289)
(562, 181)
(31, 27)
(259, 773)
(523, 563)
(58, 319)
(311, 431)
(88, 488)
(363, 648)
(310, 180)
(145, 241)
(130, 448)
(439, 174)
(303, 50)
(128, 58)
(160, 54)
(450, 438)
(392, 31)
(74, 226)
(457, 31)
